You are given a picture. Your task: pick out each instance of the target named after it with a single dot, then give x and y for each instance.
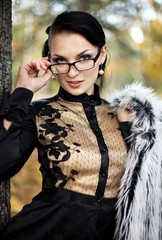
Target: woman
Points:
(82, 143)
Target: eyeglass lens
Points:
(80, 66)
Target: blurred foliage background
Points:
(134, 37)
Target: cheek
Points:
(60, 78)
(93, 72)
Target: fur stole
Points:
(139, 207)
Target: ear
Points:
(103, 53)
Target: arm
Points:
(28, 78)
(18, 142)
(124, 118)
(125, 128)
(18, 135)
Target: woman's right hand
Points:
(28, 74)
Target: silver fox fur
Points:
(139, 207)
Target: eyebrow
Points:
(77, 54)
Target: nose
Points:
(73, 71)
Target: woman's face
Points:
(68, 48)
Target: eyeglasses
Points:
(80, 65)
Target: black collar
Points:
(92, 100)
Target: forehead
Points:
(70, 42)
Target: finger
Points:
(128, 107)
(34, 65)
(47, 75)
(38, 66)
(44, 58)
(44, 65)
(41, 65)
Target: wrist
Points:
(23, 86)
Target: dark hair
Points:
(76, 22)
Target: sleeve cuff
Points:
(21, 97)
(17, 105)
(125, 128)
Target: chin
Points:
(76, 92)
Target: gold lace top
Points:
(83, 145)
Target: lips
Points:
(75, 84)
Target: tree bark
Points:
(5, 82)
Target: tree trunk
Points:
(5, 82)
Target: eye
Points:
(59, 60)
(85, 57)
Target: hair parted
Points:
(76, 22)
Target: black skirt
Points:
(63, 215)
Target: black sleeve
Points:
(18, 142)
(125, 128)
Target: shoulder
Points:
(39, 104)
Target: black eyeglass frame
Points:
(73, 64)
